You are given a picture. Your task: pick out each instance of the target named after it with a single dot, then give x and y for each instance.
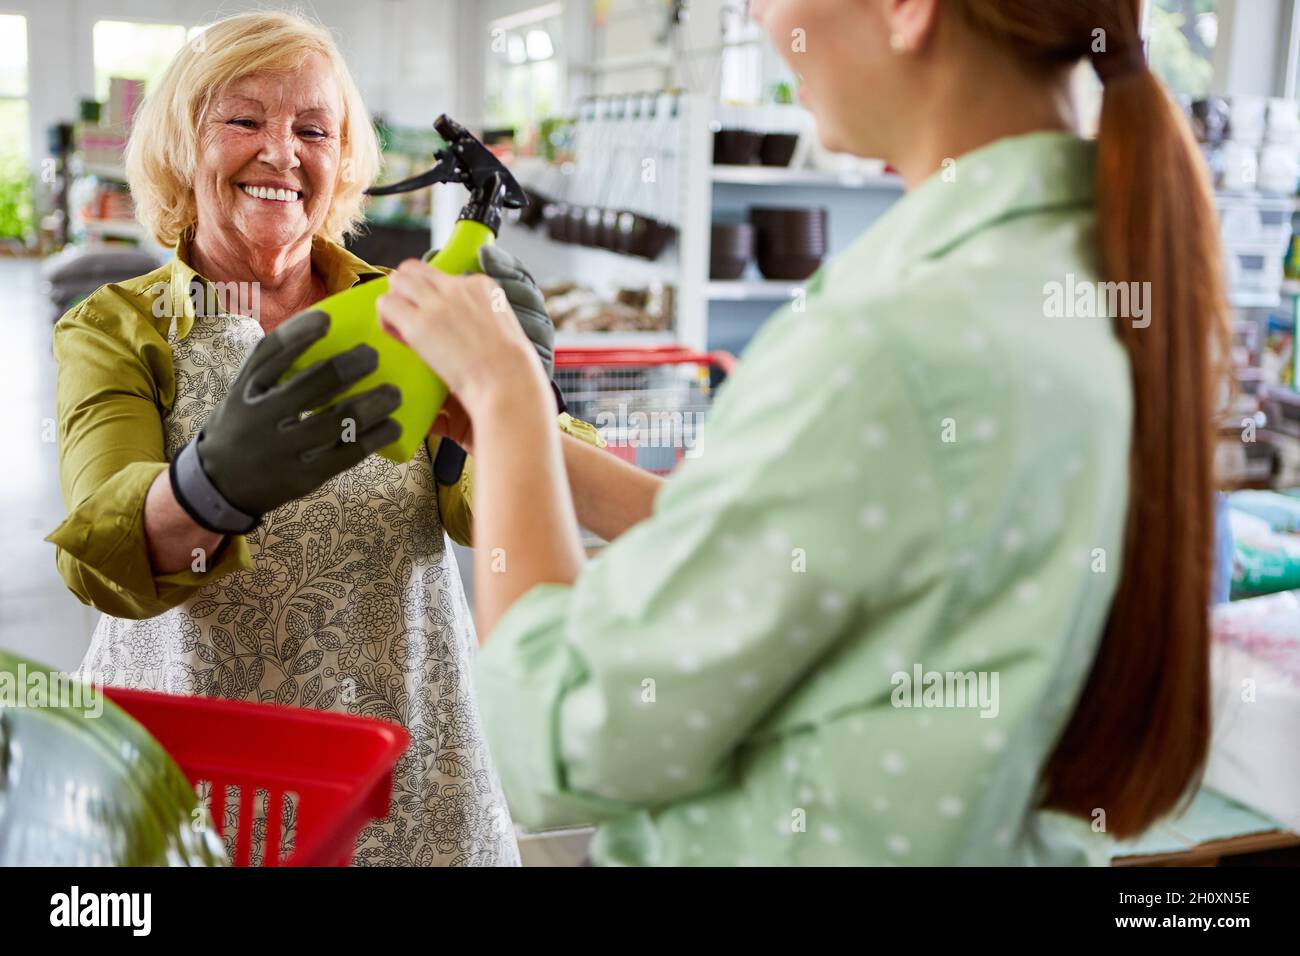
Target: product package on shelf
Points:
(1255, 691)
(124, 98)
(101, 145)
(1252, 144)
(1277, 360)
(1264, 561)
(1280, 511)
(577, 308)
(405, 152)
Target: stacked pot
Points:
(617, 230)
(730, 249)
(789, 243)
(767, 134)
(741, 147)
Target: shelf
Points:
(624, 64)
(114, 229)
(757, 290)
(781, 176)
(115, 173)
(1254, 300)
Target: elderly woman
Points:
(251, 158)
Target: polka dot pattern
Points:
(902, 479)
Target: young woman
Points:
(936, 590)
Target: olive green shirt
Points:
(116, 385)
(916, 471)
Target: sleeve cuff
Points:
(522, 676)
(233, 555)
(583, 431)
(105, 535)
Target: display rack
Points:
(709, 313)
(683, 263)
(751, 290)
(83, 228)
(781, 176)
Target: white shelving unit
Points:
(780, 176)
(747, 290)
(114, 229)
(684, 264)
(854, 199)
(1254, 300)
(103, 230)
(707, 313)
(102, 170)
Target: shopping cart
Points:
(333, 770)
(649, 404)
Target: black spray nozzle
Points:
(467, 161)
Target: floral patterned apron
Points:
(354, 605)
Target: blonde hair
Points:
(162, 152)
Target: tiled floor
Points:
(39, 617)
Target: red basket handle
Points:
(579, 357)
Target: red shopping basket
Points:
(648, 403)
(339, 768)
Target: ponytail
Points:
(1137, 741)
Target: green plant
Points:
(1182, 44)
(17, 218)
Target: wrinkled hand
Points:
(465, 330)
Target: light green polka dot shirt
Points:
(855, 625)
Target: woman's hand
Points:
(464, 328)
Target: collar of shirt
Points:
(339, 268)
(1016, 176)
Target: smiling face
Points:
(268, 157)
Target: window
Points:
(523, 70)
(15, 140)
(1182, 38)
(136, 51)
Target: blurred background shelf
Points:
(577, 340)
(101, 171)
(114, 229)
(782, 176)
(756, 290)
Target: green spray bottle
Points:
(353, 319)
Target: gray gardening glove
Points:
(525, 298)
(256, 451)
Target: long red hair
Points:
(1138, 737)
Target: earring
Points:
(897, 43)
